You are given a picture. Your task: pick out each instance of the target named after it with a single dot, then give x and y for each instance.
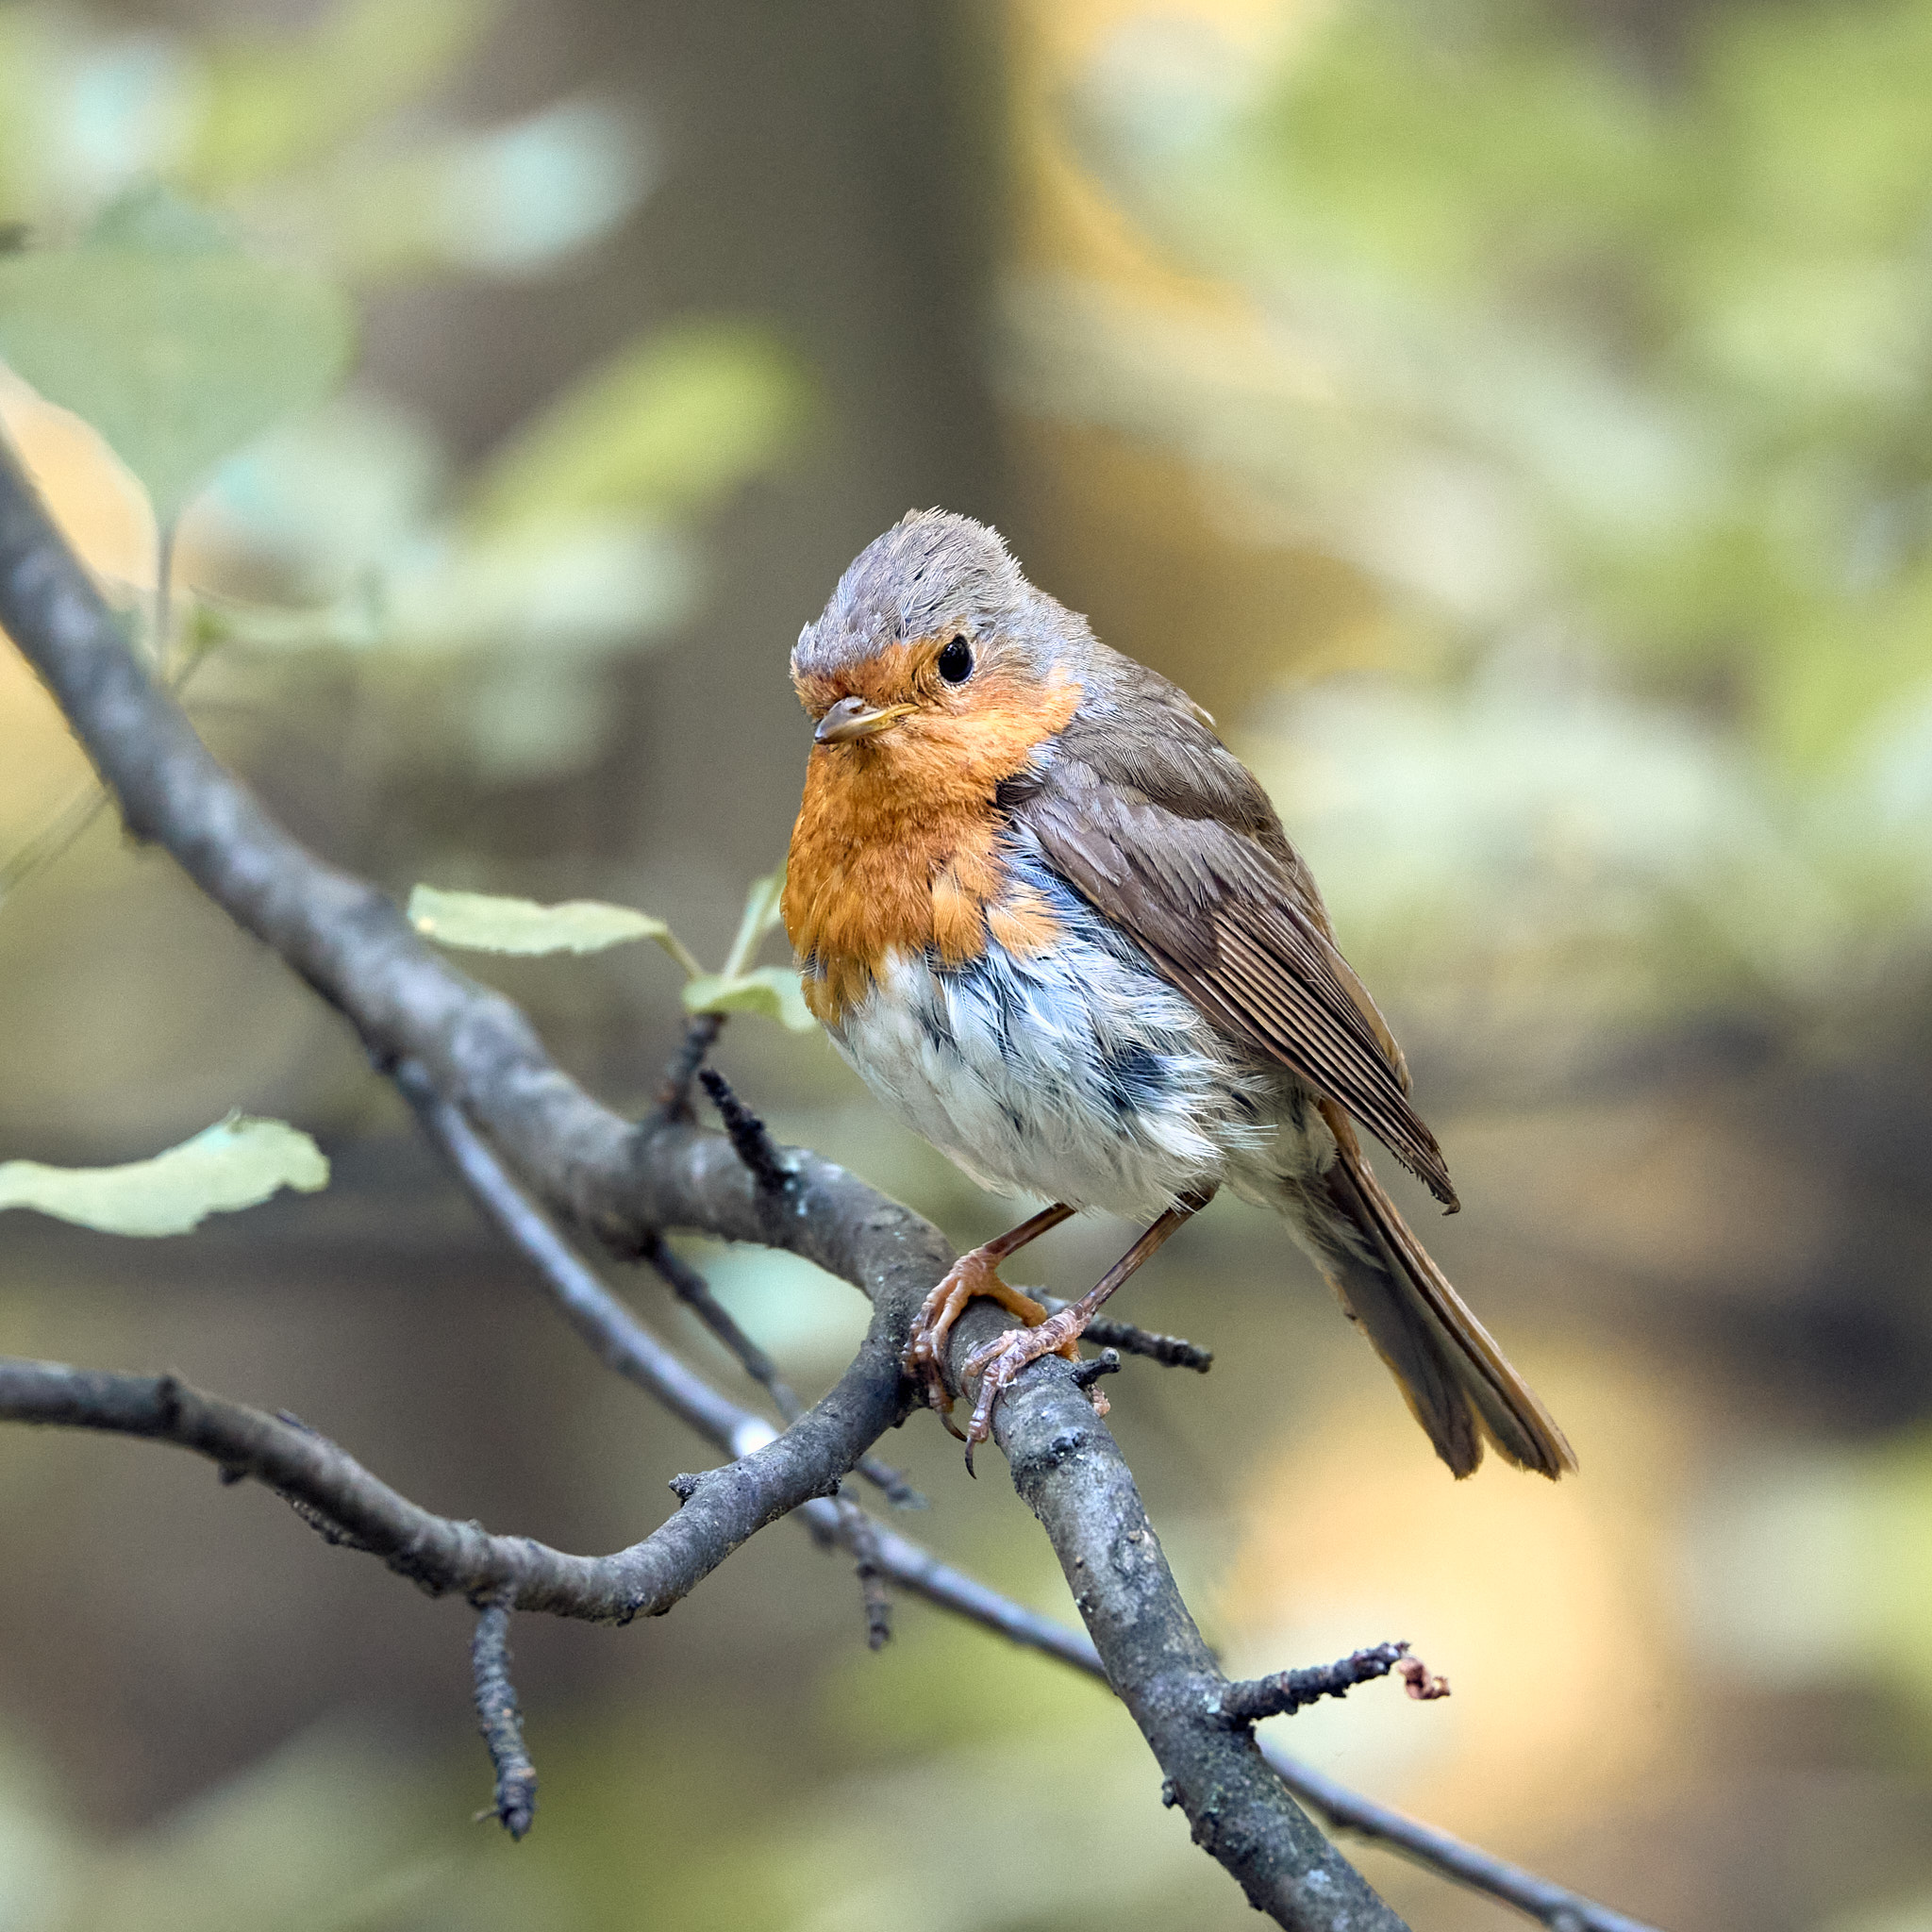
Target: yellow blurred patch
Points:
(1065, 221)
(1549, 1607)
(106, 517)
(102, 508)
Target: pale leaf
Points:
(235, 1163)
(771, 991)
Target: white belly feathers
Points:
(1078, 1076)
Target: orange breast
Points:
(897, 842)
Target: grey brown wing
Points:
(1223, 918)
(1144, 737)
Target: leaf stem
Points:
(761, 916)
(681, 953)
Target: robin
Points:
(1056, 927)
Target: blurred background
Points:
(1513, 417)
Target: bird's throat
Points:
(899, 847)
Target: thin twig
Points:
(616, 1336)
(1087, 1375)
(1437, 1851)
(69, 823)
(1255, 1698)
(700, 1035)
(163, 644)
(694, 1291)
(54, 837)
(752, 1144)
(1171, 1351)
(862, 1540)
(501, 1722)
(1107, 1362)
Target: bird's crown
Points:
(931, 570)
(935, 625)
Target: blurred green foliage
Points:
(193, 215)
(274, 102)
(176, 347)
(667, 424)
(199, 209)
(1730, 272)
(326, 135)
(1618, 383)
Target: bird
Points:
(1056, 929)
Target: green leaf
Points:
(772, 990)
(667, 424)
(235, 1163)
(175, 346)
(482, 923)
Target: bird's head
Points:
(936, 662)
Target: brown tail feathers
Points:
(1458, 1383)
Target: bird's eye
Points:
(955, 661)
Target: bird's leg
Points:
(996, 1362)
(974, 1274)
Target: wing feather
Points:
(1149, 817)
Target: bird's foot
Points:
(996, 1362)
(975, 1276)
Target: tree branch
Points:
(1542, 1899)
(438, 1553)
(1071, 1471)
(861, 1538)
(616, 1337)
(1170, 1351)
(310, 1471)
(625, 1184)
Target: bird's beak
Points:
(852, 719)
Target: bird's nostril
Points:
(832, 725)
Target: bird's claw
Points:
(998, 1361)
(974, 1275)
